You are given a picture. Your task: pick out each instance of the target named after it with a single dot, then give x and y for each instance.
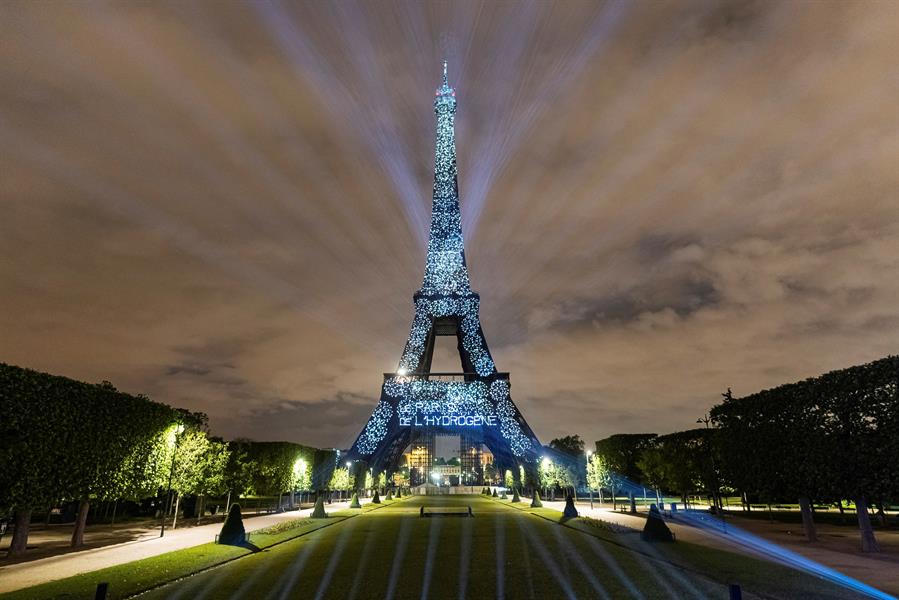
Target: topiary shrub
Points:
(376, 499)
(389, 495)
(319, 511)
(494, 493)
(515, 496)
(354, 503)
(570, 511)
(232, 532)
(655, 529)
(535, 501)
(504, 496)
(399, 492)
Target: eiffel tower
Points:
(417, 404)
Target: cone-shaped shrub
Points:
(319, 511)
(570, 511)
(655, 529)
(535, 501)
(504, 496)
(494, 493)
(389, 495)
(515, 496)
(376, 499)
(354, 503)
(233, 532)
(399, 492)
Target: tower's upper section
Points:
(445, 271)
(445, 96)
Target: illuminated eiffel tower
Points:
(417, 404)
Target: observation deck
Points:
(444, 376)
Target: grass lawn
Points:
(756, 576)
(503, 551)
(134, 577)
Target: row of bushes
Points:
(63, 440)
(824, 439)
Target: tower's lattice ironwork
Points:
(474, 403)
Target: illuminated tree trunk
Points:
(869, 542)
(20, 535)
(201, 507)
(175, 512)
(808, 522)
(80, 523)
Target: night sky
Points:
(225, 206)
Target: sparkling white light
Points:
(446, 292)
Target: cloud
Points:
(224, 210)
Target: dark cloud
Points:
(222, 205)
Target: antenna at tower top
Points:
(444, 72)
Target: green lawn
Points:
(503, 551)
(134, 577)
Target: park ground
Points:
(505, 550)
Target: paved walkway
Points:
(26, 574)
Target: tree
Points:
(572, 445)
(201, 465)
(340, 480)
(622, 451)
(598, 473)
(509, 479)
(62, 439)
(832, 436)
(554, 475)
(681, 462)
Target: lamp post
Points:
(178, 431)
(349, 466)
(587, 477)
